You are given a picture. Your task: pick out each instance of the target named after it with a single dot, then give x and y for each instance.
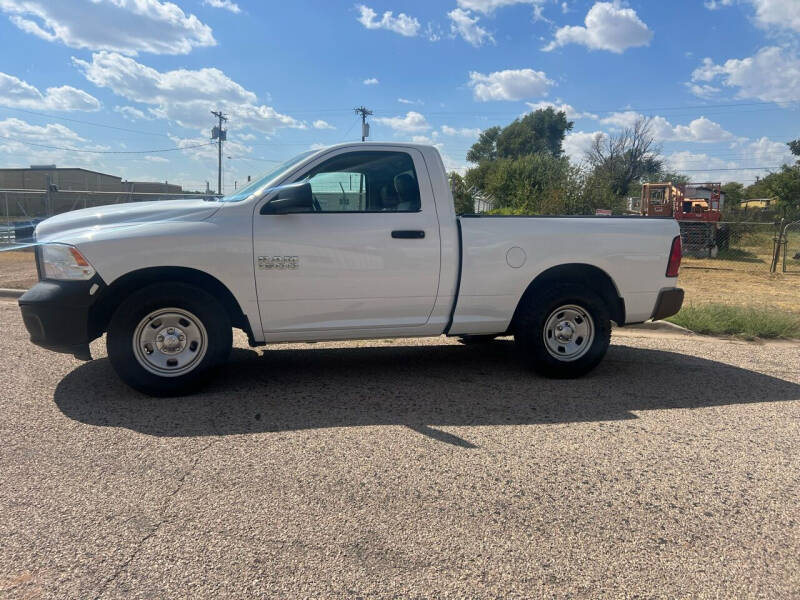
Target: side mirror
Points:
(292, 198)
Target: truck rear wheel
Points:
(563, 331)
(164, 338)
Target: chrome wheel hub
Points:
(568, 332)
(170, 342)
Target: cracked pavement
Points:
(406, 468)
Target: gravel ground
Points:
(405, 469)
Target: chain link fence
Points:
(736, 241)
(22, 209)
(791, 249)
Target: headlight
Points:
(60, 261)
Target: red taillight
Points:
(674, 264)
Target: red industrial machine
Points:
(698, 209)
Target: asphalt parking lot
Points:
(405, 469)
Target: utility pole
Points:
(364, 112)
(219, 134)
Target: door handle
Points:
(408, 234)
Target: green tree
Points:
(784, 185)
(540, 131)
(758, 189)
(795, 147)
(734, 194)
(522, 167)
(533, 184)
(462, 198)
(486, 146)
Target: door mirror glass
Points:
(292, 198)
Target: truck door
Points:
(367, 256)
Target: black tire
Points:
(529, 330)
(212, 316)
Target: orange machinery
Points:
(684, 202)
(696, 207)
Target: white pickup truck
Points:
(349, 242)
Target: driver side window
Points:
(373, 181)
(339, 191)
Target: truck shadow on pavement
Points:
(421, 387)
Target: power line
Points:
(176, 149)
(93, 124)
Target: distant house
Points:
(757, 204)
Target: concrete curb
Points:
(664, 326)
(11, 293)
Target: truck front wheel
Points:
(563, 331)
(163, 338)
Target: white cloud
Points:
(571, 111)
(320, 124)
(784, 14)
(317, 146)
(772, 75)
(463, 24)
(413, 122)
(52, 133)
(17, 93)
(759, 153)
(422, 139)
(16, 153)
(226, 4)
(703, 90)
(156, 159)
(126, 26)
(183, 96)
(407, 101)
(700, 130)
(489, 6)
(402, 23)
(715, 4)
(371, 81)
(780, 14)
(744, 154)
(131, 113)
(461, 132)
(608, 27)
(511, 84)
(577, 143)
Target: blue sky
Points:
(720, 78)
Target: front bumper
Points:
(56, 314)
(668, 303)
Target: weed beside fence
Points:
(742, 321)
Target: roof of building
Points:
(36, 168)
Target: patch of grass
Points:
(739, 255)
(747, 322)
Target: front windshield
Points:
(248, 190)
